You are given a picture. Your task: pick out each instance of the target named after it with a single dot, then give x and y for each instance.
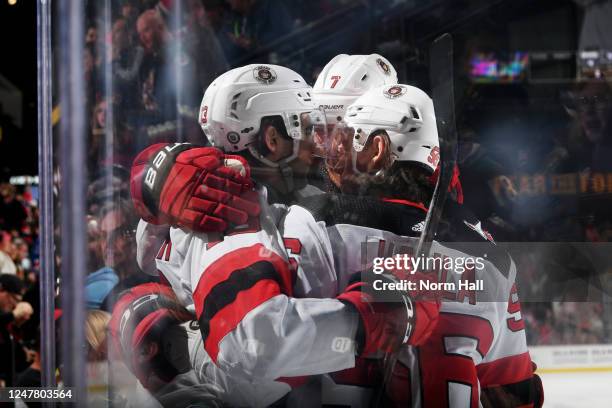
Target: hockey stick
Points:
(441, 76)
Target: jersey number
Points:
(515, 323)
(294, 247)
(449, 376)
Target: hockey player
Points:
(480, 334)
(352, 75)
(344, 79)
(145, 334)
(372, 158)
(159, 341)
(273, 281)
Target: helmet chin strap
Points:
(282, 166)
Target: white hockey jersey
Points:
(264, 296)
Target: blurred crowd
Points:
(146, 72)
(19, 268)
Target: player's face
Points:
(339, 151)
(345, 165)
(593, 106)
(313, 130)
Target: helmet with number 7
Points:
(235, 103)
(346, 77)
(406, 114)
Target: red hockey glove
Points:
(385, 326)
(199, 188)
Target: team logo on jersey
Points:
(264, 74)
(233, 137)
(204, 115)
(419, 227)
(384, 66)
(477, 227)
(394, 91)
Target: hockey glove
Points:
(140, 317)
(385, 326)
(199, 188)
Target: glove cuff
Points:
(148, 176)
(361, 301)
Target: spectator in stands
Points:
(200, 36)
(97, 153)
(153, 35)
(21, 257)
(6, 262)
(129, 13)
(215, 13)
(157, 74)
(127, 56)
(98, 286)
(587, 145)
(253, 24)
(95, 334)
(12, 213)
(169, 89)
(31, 376)
(12, 311)
(117, 238)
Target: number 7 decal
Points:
(335, 79)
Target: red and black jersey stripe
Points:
(234, 285)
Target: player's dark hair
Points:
(400, 180)
(403, 180)
(409, 180)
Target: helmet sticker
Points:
(394, 91)
(204, 115)
(233, 137)
(264, 74)
(434, 156)
(384, 66)
(335, 79)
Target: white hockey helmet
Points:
(406, 114)
(234, 104)
(347, 77)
